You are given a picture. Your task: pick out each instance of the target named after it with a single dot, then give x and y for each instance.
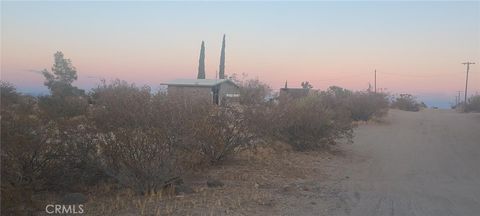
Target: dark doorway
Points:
(215, 90)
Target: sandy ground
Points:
(425, 163)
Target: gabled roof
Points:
(197, 82)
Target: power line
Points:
(339, 78)
(419, 76)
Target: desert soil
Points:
(411, 163)
(424, 163)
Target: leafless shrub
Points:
(406, 102)
(473, 104)
(39, 153)
(309, 123)
(147, 139)
(135, 144)
(366, 105)
(76, 154)
(362, 105)
(22, 151)
(56, 106)
(222, 132)
(254, 92)
(144, 140)
(139, 158)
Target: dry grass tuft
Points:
(255, 182)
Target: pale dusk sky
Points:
(416, 47)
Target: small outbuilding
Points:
(218, 91)
(293, 93)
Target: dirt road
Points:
(424, 163)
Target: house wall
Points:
(231, 90)
(292, 93)
(227, 92)
(197, 92)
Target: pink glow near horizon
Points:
(397, 78)
(420, 54)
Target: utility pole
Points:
(375, 81)
(466, 81)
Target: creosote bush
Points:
(473, 104)
(253, 92)
(135, 144)
(39, 152)
(307, 123)
(222, 132)
(146, 139)
(142, 140)
(406, 102)
(366, 105)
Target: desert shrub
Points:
(261, 120)
(406, 102)
(23, 146)
(222, 132)
(142, 159)
(206, 132)
(147, 139)
(76, 156)
(308, 123)
(422, 105)
(254, 91)
(21, 149)
(365, 105)
(337, 98)
(339, 93)
(120, 104)
(473, 104)
(40, 153)
(362, 105)
(8, 94)
(31, 140)
(47, 142)
(257, 106)
(135, 146)
(55, 106)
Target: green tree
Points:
(306, 85)
(65, 100)
(221, 72)
(201, 62)
(63, 74)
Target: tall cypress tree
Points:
(201, 63)
(221, 72)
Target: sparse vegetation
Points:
(473, 104)
(367, 105)
(407, 102)
(362, 105)
(136, 144)
(128, 136)
(307, 123)
(253, 91)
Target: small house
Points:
(218, 91)
(293, 93)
